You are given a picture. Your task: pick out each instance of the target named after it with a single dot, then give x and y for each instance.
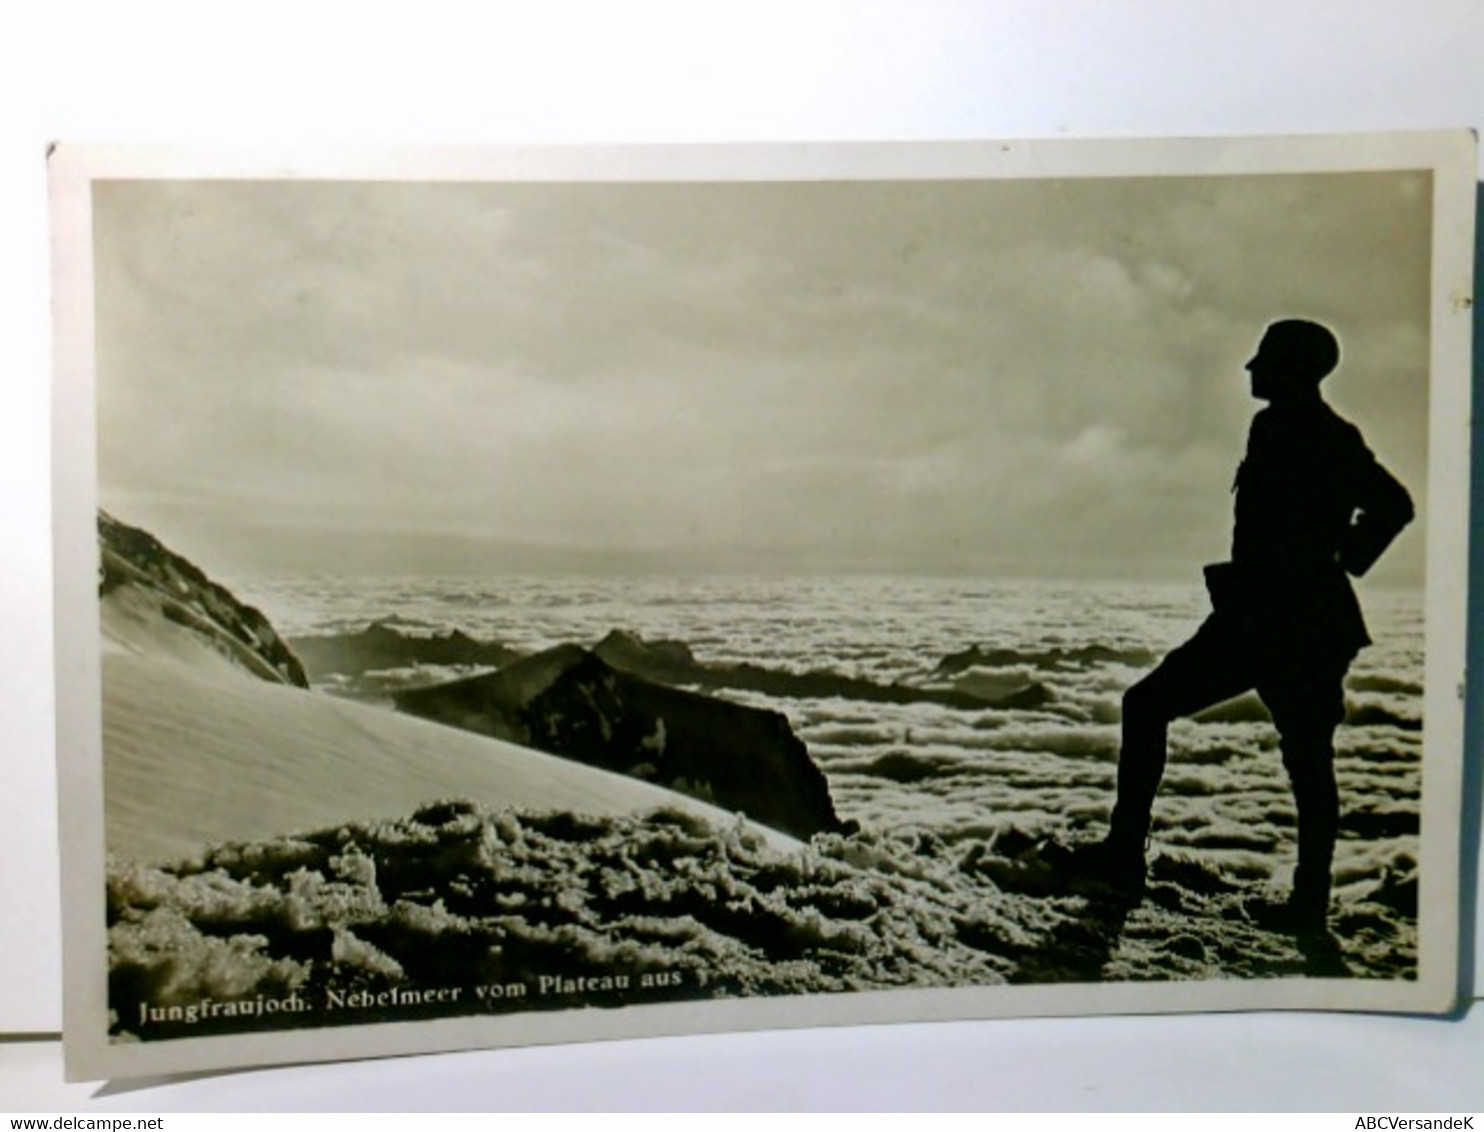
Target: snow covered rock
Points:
(141, 581)
(571, 702)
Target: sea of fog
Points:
(963, 773)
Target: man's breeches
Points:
(1303, 690)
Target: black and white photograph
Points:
(523, 597)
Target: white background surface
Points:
(289, 73)
(1230, 1063)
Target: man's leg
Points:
(1212, 666)
(1307, 702)
(1312, 773)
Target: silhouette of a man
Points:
(1312, 507)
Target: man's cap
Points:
(1309, 349)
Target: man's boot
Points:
(1311, 771)
(1305, 913)
(1112, 869)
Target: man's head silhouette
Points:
(1292, 359)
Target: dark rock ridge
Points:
(1375, 715)
(1084, 656)
(186, 597)
(1380, 824)
(671, 662)
(381, 646)
(571, 702)
(1250, 709)
(663, 660)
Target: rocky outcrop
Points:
(382, 646)
(663, 660)
(133, 564)
(1085, 656)
(572, 702)
(671, 662)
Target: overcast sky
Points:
(990, 377)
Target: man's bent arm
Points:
(1385, 508)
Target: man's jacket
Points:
(1313, 505)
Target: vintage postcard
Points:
(533, 595)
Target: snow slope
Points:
(197, 751)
